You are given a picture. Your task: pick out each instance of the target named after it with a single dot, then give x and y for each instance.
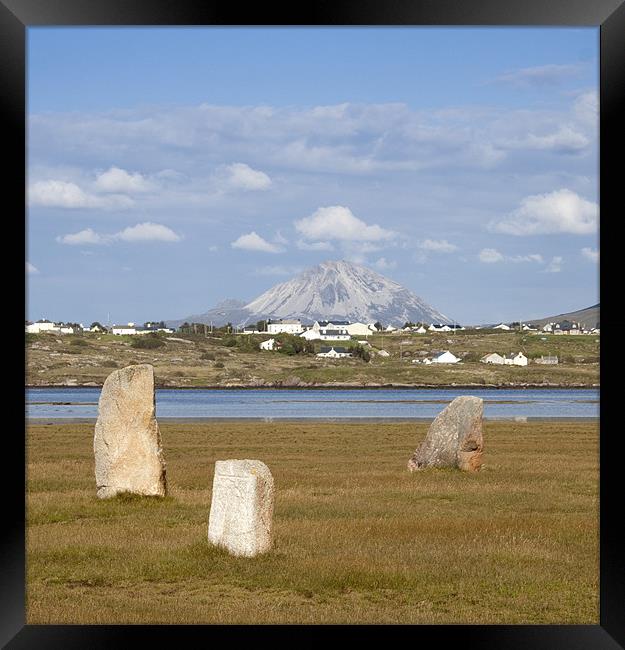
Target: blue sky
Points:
(169, 169)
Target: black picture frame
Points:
(609, 15)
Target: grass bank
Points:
(358, 539)
(188, 361)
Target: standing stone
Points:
(454, 438)
(127, 442)
(241, 514)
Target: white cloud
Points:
(142, 232)
(254, 242)
(384, 265)
(542, 75)
(243, 177)
(87, 236)
(490, 256)
(437, 246)
(591, 254)
(120, 181)
(586, 108)
(314, 246)
(566, 139)
(562, 211)
(31, 269)
(337, 222)
(555, 266)
(147, 232)
(64, 194)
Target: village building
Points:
(333, 352)
(251, 329)
(502, 326)
(420, 330)
(311, 335)
(334, 335)
(358, 329)
(518, 359)
(327, 324)
(43, 325)
(268, 344)
(547, 360)
(445, 357)
(494, 358)
(123, 330)
(283, 325)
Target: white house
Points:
(120, 330)
(358, 329)
(311, 335)
(390, 328)
(421, 330)
(445, 357)
(548, 327)
(334, 335)
(42, 325)
(515, 359)
(333, 352)
(441, 327)
(268, 344)
(502, 326)
(330, 324)
(288, 326)
(547, 360)
(495, 358)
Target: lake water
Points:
(269, 404)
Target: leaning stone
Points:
(241, 514)
(127, 441)
(454, 438)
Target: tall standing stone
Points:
(454, 438)
(127, 441)
(241, 514)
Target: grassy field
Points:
(358, 539)
(194, 360)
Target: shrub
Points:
(147, 342)
(80, 342)
(360, 352)
(207, 356)
(109, 363)
(219, 364)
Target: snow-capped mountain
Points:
(347, 291)
(331, 290)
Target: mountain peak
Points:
(345, 290)
(333, 289)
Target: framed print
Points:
(312, 322)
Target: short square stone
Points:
(241, 514)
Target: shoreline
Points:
(287, 420)
(338, 386)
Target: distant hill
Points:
(588, 316)
(332, 290)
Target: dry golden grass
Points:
(358, 539)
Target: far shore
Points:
(292, 420)
(337, 386)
